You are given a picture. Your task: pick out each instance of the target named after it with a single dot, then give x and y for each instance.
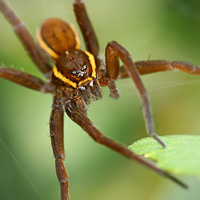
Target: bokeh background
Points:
(167, 29)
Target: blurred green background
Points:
(167, 29)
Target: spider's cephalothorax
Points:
(74, 68)
(77, 69)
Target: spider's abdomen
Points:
(56, 36)
(74, 68)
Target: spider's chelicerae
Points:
(77, 77)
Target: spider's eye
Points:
(84, 66)
(82, 70)
(77, 72)
(73, 72)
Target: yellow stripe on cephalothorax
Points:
(77, 38)
(83, 81)
(63, 78)
(44, 46)
(92, 62)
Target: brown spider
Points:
(77, 78)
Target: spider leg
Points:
(152, 66)
(113, 51)
(57, 141)
(83, 121)
(25, 80)
(86, 27)
(26, 39)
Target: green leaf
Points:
(182, 155)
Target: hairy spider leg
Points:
(85, 25)
(152, 66)
(57, 141)
(122, 53)
(27, 40)
(83, 121)
(26, 80)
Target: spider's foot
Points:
(156, 137)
